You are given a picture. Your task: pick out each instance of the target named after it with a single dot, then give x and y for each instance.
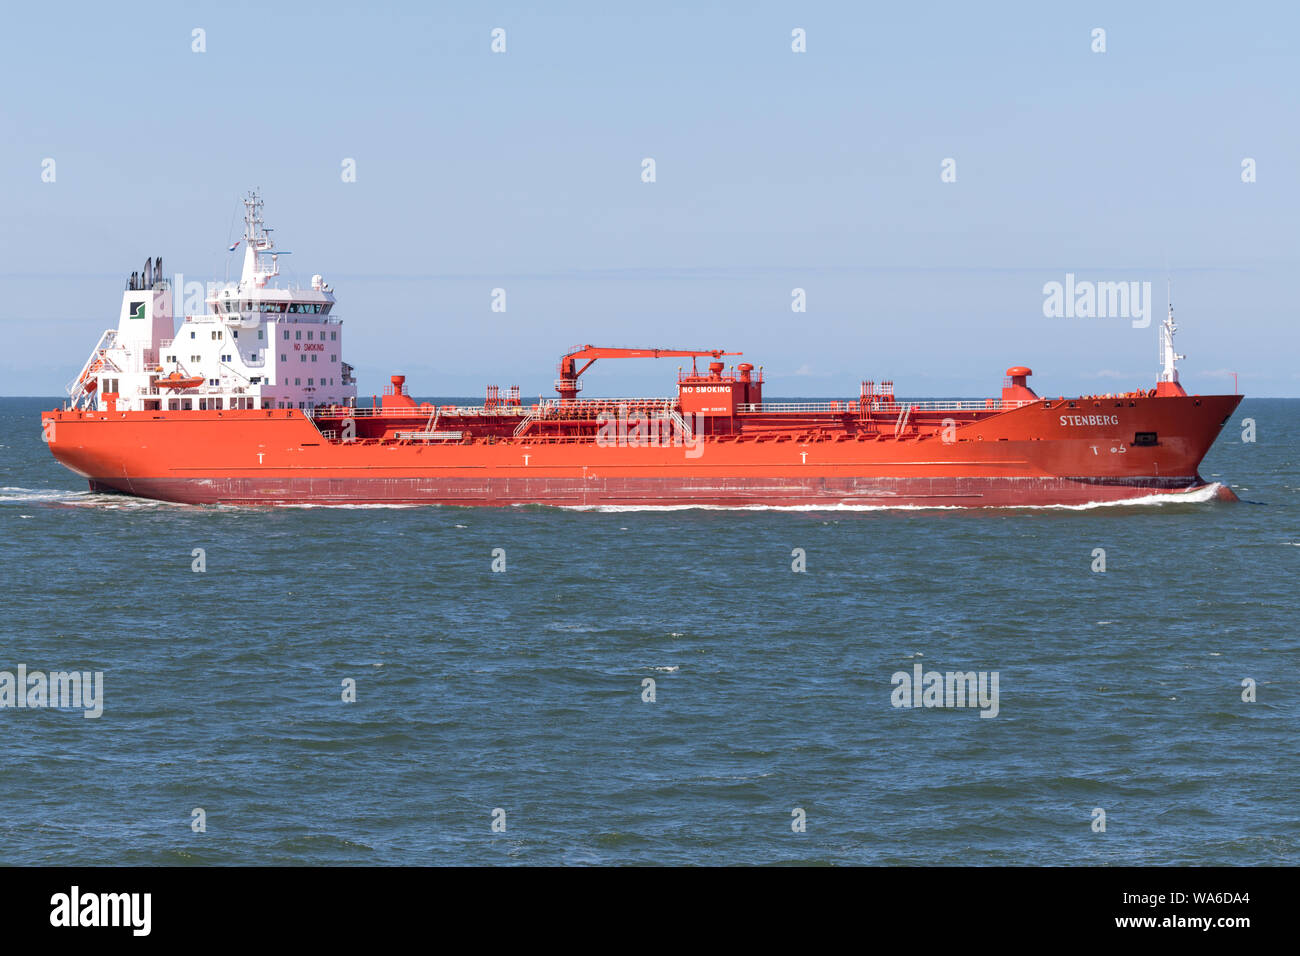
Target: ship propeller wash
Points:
(251, 402)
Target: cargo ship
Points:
(249, 402)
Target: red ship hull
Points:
(1048, 452)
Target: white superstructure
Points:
(256, 346)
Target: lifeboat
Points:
(178, 381)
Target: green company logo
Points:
(137, 310)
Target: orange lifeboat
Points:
(178, 381)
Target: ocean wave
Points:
(1200, 495)
(15, 495)
(67, 498)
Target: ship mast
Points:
(1168, 357)
(257, 241)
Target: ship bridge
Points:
(254, 345)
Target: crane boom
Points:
(568, 386)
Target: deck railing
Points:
(557, 408)
(851, 406)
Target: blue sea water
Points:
(522, 691)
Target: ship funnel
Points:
(148, 273)
(399, 384)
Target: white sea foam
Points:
(10, 494)
(1199, 495)
(345, 506)
(63, 496)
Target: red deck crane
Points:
(568, 386)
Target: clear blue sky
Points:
(774, 170)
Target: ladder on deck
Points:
(900, 426)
